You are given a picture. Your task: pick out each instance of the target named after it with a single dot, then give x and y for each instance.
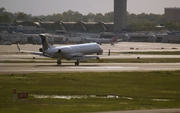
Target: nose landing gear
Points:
(59, 62)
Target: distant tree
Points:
(144, 21)
(172, 25)
(2, 10)
(67, 16)
(4, 18)
(77, 16)
(135, 22)
(160, 19)
(21, 16)
(57, 17)
(91, 17)
(35, 19)
(99, 17)
(109, 17)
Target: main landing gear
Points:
(59, 62)
(77, 63)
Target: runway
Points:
(86, 67)
(11, 53)
(147, 111)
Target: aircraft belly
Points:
(56, 55)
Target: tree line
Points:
(135, 22)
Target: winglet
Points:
(18, 47)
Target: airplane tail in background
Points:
(115, 38)
(45, 43)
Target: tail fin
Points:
(45, 43)
(115, 38)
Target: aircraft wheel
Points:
(76, 63)
(97, 58)
(58, 62)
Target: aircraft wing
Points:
(31, 52)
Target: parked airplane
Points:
(72, 52)
(100, 41)
(172, 33)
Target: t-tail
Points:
(45, 43)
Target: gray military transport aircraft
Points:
(76, 52)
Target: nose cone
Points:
(100, 51)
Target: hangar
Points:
(51, 27)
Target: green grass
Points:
(142, 87)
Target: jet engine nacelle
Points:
(59, 51)
(40, 49)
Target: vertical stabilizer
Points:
(115, 37)
(44, 41)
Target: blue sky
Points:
(45, 7)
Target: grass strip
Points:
(135, 90)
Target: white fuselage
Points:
(68, 52)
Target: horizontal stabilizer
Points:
(119, 40)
